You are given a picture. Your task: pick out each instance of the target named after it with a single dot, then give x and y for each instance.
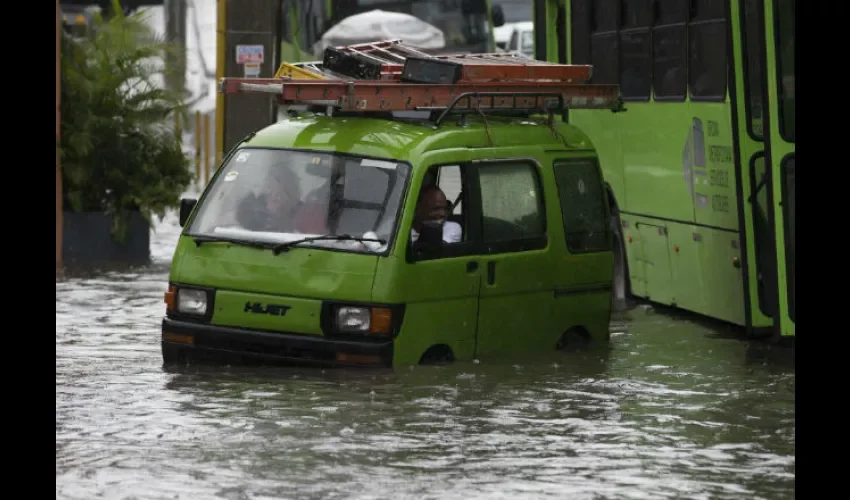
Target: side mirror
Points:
(186, 206)
(498, 16)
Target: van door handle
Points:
(491, 272)
(471, 266)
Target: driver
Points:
(432, 208)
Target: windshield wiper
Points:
(284, 247)
(199, 240)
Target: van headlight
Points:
(191, 301)
(363, 320)
(353, 319)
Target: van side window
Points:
(584, 205)
(511, 202)
(455, 229)
(450, 182)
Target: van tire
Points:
(439, 354)
(575, 337)
(621, 287)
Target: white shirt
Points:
(452, 232)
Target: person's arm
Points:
(311, 218)
(452, 232)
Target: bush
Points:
(118, 146)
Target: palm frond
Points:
(119, 151)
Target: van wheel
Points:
(574, 338)
(437, 355)
(621, 286)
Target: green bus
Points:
(701, 167)
(466, 24)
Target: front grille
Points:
(253, 347)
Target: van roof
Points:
(408, 140)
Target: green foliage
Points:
(118, 145)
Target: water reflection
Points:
(671, 409)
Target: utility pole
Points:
(59, 220)
(175, 32)
(248, 45)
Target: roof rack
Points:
(387, 76)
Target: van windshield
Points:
(278, 196)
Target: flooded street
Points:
(671, 409)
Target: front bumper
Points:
(184, 341)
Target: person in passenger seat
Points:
(279, 207)
(432, 208)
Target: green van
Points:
(350, 269)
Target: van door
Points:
(515, 301)
(585, 259)
(441, 287)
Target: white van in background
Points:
(516, 37)
(521, 39)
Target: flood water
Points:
(671, 409)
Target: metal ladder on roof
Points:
(389, 76)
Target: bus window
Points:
(603, 57)
(705, 10)
(753, 39)
(604, 43)
(580, 11)
(606, 15)
(669, 50)
(636, 78)
(785, 60)
(636, 50)
(707, 51)
(671, 12)
(637, 13)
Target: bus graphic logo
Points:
(693, 158)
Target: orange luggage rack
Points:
(388, 76)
